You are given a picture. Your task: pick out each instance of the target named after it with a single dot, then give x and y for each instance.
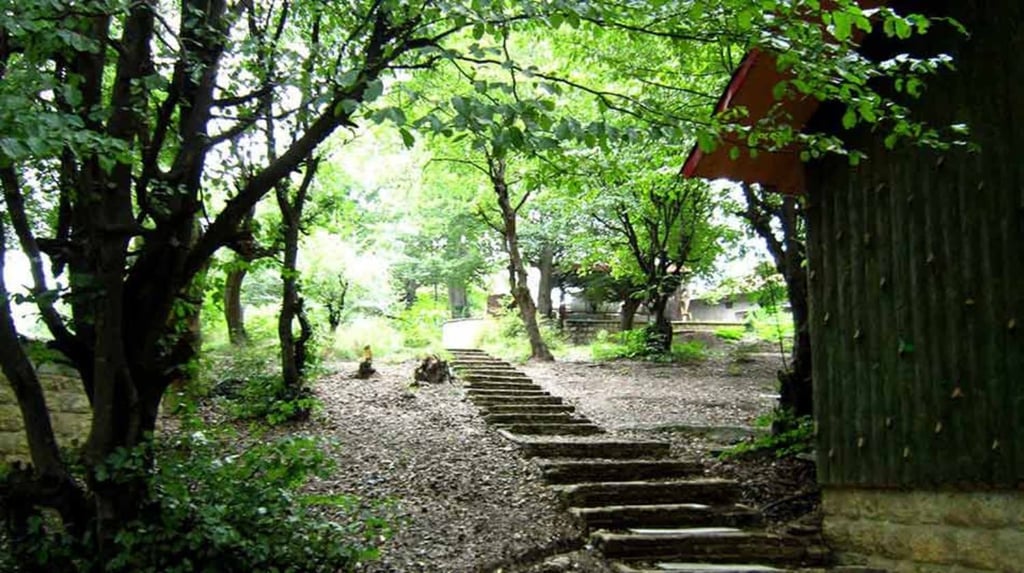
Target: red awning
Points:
(751, 87)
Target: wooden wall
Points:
(917, 283)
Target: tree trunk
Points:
(628, 313)
(517, 269)
(458, 303)
(546, 267)
(234, 314)
(292, 352)
(797, 391)
(660, 329)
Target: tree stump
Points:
(366, 365)
(433, 370)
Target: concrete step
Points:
(501, 379)
(557, 418)
(667, 515)
(502, 386)
(604, 449)
(669, 567)
(704, 490)
(497, 372)
(709, 545)
(528, 409)
(553, 429)
(534, 391)
(509, 399)
(578, 471)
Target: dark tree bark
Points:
(458, 300)
(292, 350)
(789, 256)
(234, 313)
(336, 304)
(517, 267)
(546, 266)
(628, 313)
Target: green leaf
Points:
(734, 153)
(849, 118)
(407, 138)
(842, 24)
(374, 89)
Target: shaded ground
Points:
(466, 501)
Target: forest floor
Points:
(464, 500)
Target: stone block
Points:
(10, 418)
(69, 425)
(921, 531)
(13, 443)
(71, 402)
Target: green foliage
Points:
(208, 510)
(775, 327)
(689, 352)
(637, 344)
(731, 333)
(505, 337)
(790, 435)
(420, 325)
(267, 398)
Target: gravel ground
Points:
(464, 498)
(625, 394)
(466, 501)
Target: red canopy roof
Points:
(751, 87)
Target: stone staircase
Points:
(645, 511)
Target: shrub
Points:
(689, 352)
(221, 513)
(790, 435)
(266, 397)
(506, 337)
(731, 333)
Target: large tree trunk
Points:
(788, 254)
(234, 314)
(517, 269)
(458, 303)
(660, 328)
(293, 352)
(546, 266)
(628, 313)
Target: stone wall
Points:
(926, 531)
(69, 412)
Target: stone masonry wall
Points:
(926, 531)
(69, 412)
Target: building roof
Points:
(751, 87)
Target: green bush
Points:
(220, 513)
(776, 327)
(689, 352)
(790, 435)
(731, 333)
(506, 337)
(267, 398)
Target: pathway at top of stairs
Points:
(645, 511)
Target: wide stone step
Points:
(529, 409)
(667, 515)
(709, 491)
(610, 449)
(493, 370)
(514, 375)
(494, 378)
(711, 545)
(554, 429)
(535, 391)
(558, 418)
(675, 567)
(578, 471)
(507, 399)
(481, 362)
(502, 386)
